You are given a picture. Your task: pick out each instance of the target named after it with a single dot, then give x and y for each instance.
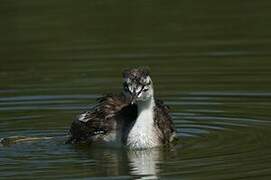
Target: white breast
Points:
(142, 134)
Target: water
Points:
(210, 61)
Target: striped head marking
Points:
(137, 84)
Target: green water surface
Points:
(210, 62)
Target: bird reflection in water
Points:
(143, 163)
(138, 164)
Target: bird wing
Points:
(164, 122)
(99, 120)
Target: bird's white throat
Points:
(142, 135)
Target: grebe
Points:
(134, 118)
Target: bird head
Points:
(137, 84)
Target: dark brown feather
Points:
(163, 122)
(109, 114)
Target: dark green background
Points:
(209, 60)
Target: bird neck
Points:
(145, 111)
(142, 134)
